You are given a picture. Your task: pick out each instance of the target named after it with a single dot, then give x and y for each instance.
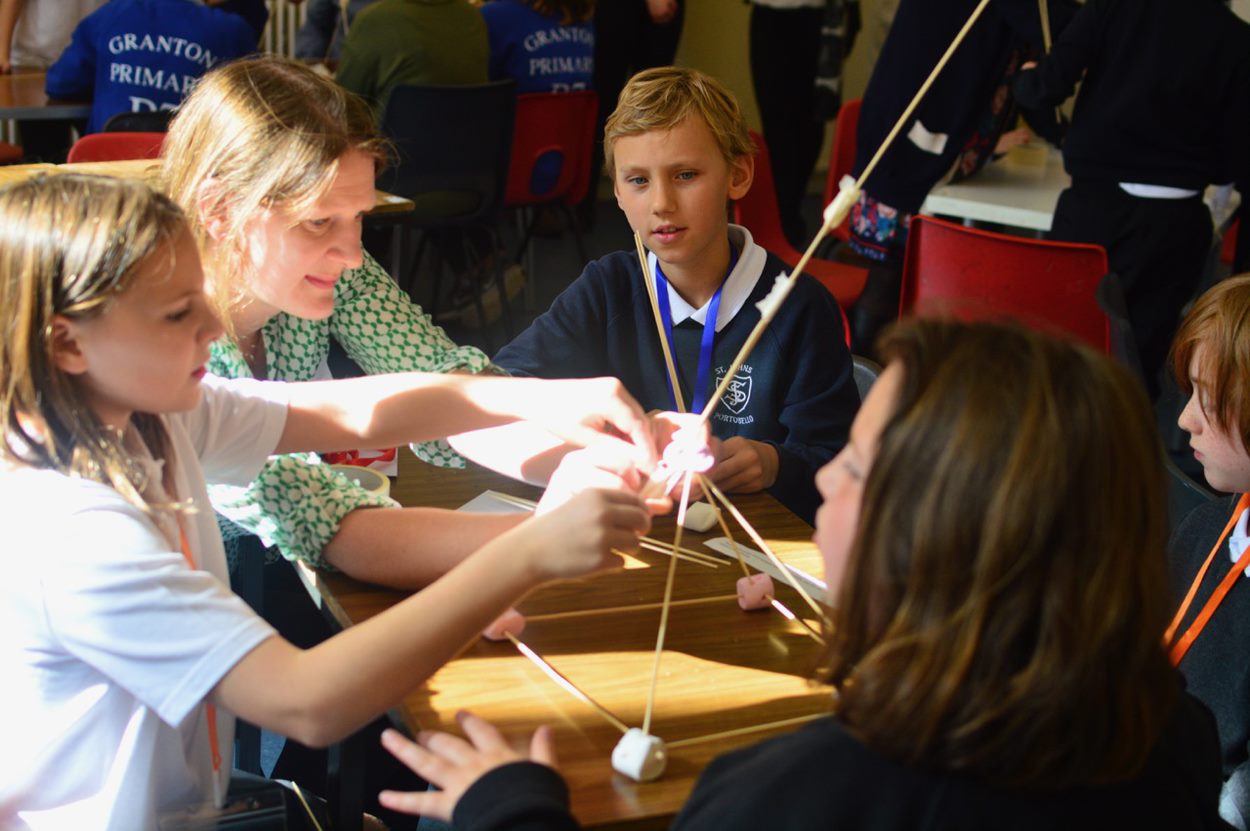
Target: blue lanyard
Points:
(704, 372)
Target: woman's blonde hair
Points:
(1006, 594)
(1219, 326)
(255, 134)
(661, 98)
(69, 246)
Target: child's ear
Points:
(67, 352)
(741, 174)
(212, 211)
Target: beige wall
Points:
(715, 40)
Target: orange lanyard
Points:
(1181, 646)
(211, 711)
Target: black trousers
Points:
(785, 46)
(1158, 247)
(289, 610)
(627, 41)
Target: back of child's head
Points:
(1217, 332)
(567, 11)
(259, 133)
(69, 246)
(661, 98)
(1002, 609)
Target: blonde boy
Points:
(679, 150)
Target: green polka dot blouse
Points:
(296, 502)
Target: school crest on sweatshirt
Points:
(737, 395)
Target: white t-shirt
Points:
(44, 28)
(110, 642)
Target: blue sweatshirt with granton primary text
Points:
(143, 55)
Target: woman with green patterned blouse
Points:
(274, 166)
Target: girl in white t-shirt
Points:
(125, 656)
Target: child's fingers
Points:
(420, 761)
(543, 747)
(484, 735)
(423, 803)
(446, 746)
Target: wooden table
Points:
(722, 668)
(22, 96)
(148, 170)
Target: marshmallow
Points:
(639, 755)
(510, 621)
(837, 210)
(700, 516)
(775, 297)
(755, 592)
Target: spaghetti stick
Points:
(724, 527)
(833, 218)
(776, 604)
(920, 93)
(791, 616)
(668, 602)
(787, 722)
(754, 535)
(554, 674)
(659, 323)
(660, 548)
(641, 607)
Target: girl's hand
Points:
(579, 536)
(594, 412)
(452, 764)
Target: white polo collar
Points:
(737, 286)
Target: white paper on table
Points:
(490, 502)
(760, 561)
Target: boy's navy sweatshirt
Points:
(795, 391)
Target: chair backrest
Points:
(453, 145)
(113, 147)
(975, 274)
(866, 372)
(148, 121)
(842, 156)
(552, 145)
(757, 211)
(1228, 243)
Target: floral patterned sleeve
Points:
(295, 503)
(382, 330)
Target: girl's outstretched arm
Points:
(319, 695)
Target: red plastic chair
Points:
(757, 211)
(552, 125)
(974, 274)
(842, 157)
(113, 147)
(1228, 247)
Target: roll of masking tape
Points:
(367, 478)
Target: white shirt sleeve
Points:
(112, 584)
(236, 427)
